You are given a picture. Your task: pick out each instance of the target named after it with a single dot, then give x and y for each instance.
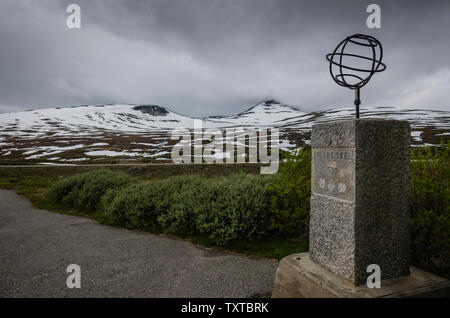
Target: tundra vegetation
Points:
(263, 215)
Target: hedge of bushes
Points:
(84, 191)
(290, 194)
(251, 207)
(430, 209)
(225, 209)
(239, 207)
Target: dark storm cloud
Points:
(203, 57)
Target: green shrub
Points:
(236, 208)
(130, 206)
(291, 194)
(61, 189)
(182, 199)
(430, 209)
(84, 191)
(430, 241)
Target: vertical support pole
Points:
(357, 101)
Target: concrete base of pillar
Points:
(299, 277)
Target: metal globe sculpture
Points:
(354, 61)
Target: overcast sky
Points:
(207, 57)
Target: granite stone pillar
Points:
(359, 204)
(359, 216)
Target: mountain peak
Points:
(153, 110)
(270, 102)
(270, 106)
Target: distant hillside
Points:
(130, 132)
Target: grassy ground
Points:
(137, 170)
(34, 188)
(32, 183)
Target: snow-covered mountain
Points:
(269, 113)
(92, 133)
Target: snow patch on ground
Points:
(416, 135)
(53, 151)
(110, 153)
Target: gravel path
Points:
(36, 247)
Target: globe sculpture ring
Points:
(354, 61)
